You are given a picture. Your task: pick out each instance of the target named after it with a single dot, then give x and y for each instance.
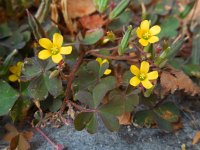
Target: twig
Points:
(59, 25)
(129, 58)
(70, 80)
(81, 108)
(56, 146)
(97, 50)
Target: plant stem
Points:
(56, 146)
(70, 80)
(81, 108)
(129, 58)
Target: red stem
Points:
(56, 146)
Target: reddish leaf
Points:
(196, 138)
(172, 80)
(125, 118)
(80, 8)
(92, 22)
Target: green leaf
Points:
(109, 81)
(37, 88)
(168, 111)
(55, 106)
(162, 123)
(5, 31)
(195, 47)
(160, 9)
(31, 68)
(6, 64)
(190, 69)
(43, 10)
(93, 67)
(82, 119)
(175, 48)
(84, 97)
(115, 106)
(169, 27)
(99, 92)
(92, 124)
(124, 42)
(86, 77)
(20, 109)
(187, 9)
(102, 88)
(169, 53)
(103, 68)
(110, 121)
(131, 101)
(124, 19)
(8, 97)
(127, 100)
(35, 26)
(126, 77)
(53, 85)
(119, 9)
(144, 118)
(101, 5)
(93, 36)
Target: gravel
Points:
(127, 138)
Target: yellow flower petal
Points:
(66, 50)
(152, 75)
(45, 43)
(20, 64)
(144, 68)
(44, 54)
(145, 25)
(13, 78)
(143, 42)
(155, 30)
(105, 61)
(99, 60)
(57, 58)
(107, 71)
(153, 39)
(134, 69)
(57, 39)
(147, 84)
(134, 81)
(13, 69)
(139, 32)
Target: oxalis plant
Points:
(122, 70)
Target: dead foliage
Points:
(173, 80)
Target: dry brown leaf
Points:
(125, 118)
(196, 138)
(92, 22)
(18, 140)
(66, 16)
(54, 12)
(194, 13)
(80, 8)
(173, 80)
(177, 125)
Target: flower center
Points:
(54, 50)
(146, 35)
(142, 76)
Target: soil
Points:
(127, 138)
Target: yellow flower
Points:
(101, 62)
(53, 49)
(146, 34)
(16, 70)
(142, 75)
